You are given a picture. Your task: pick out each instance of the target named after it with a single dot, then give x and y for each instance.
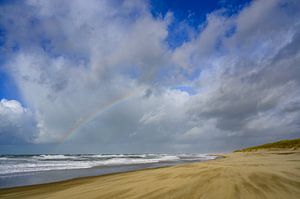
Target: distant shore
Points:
(261, 174)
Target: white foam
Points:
(11, 165)
(119, 156)
(54, 157)
(30, 167)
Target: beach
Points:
(262, 174)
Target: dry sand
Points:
(240, 175)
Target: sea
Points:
(22, 170)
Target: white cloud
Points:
(11, 106)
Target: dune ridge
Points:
(280, 145)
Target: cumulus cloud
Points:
(75, 62)
(17, 124)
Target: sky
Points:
(133, 76)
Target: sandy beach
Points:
(264, 174)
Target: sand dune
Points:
(240, 175)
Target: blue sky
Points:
(147, 76)
(193, 13)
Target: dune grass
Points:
(283, 144)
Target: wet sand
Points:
(239, 175)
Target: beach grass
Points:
(282, 144)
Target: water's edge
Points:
(55, 176)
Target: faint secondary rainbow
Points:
(90, 116)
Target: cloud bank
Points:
(100, 74)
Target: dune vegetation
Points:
(282, 144)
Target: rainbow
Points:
(90, 116)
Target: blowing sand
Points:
(239, 175)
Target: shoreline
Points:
(86, 177)
(96, 171)
(142, 167)
(258, 174)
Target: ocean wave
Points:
(54, 157)
(118, 156)
(126, 161)
(31, 167)
(24, 164)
